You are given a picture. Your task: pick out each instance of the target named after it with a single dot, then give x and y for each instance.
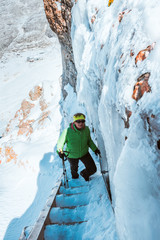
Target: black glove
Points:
(97, 152)
(61, 154)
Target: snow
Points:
(15, 87)
(26, 182)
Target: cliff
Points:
(59, 17)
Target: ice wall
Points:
(116, 52)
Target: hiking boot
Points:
(75, 175)
(84, 175)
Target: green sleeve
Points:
(61, 140)
(91, 143)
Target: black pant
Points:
(88, 162)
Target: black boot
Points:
(84, 175)
(75, 175)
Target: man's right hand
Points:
(61, 154)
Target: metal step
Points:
(68, 215)
(72, 200)
(73, 207)
(67, 224)
(77, 183)
(71, 194)
(73, 190)
(65, 231)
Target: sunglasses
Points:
(80, 121)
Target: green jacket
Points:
(78, 142)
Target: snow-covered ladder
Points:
(65, 209)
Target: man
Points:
(78, 140)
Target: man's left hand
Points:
(97, 152)
(61, 155)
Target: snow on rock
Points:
(29, 112)
(141, 86)
(30, 107)
(30, 69)
(23, 25)
(118, 79)
(144, 53)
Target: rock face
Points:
(141, 86)
(23, 26)
(23, 121)
(58, 13)
(143, 54)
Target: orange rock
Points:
(94, 16)
(126, 122)
(110, 2)
(131, 53)
(122, 60)
(43, 104)
(26, 107)
(25, 127)
(153, 116)
(20, 116)
(141, 55)
(97, 10)
(121, 55)
(102, 45)
(8, 126)
(141, 86)
(35, 93)
(120, 17)
(43, 117)
(129, 113)
(144, 53)
(93, 19)
(10, 154)
(59, 20)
